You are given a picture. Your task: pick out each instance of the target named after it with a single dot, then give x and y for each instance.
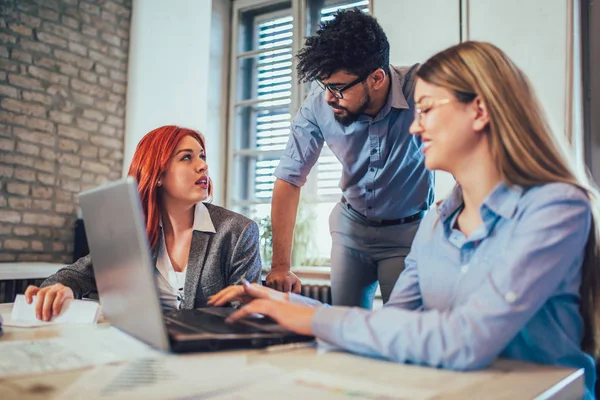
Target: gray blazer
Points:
(216, 260)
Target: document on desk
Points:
(317, 385)
(197, 376)
(73, 311)
(96, 347)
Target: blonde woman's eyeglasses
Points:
(425, 106)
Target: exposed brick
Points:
(68, 145)
(69, 159)
(106, 142)
(118, 76)
(72, 133)
(62, 31)
(64, 196)
(37, 257)
(89, 8)
(41, 192)
(95, 167)
(88, 177)
(25, 174)
(69, 172)
(115, 121)
(44, 205)
(29, 20)
(68, 69)
(120, 53)
(116, 9)
(34, 136)
(35, 47)
(24, 82)
(119, 89)
(43, 220)
(111, 39)
(24, 231)
(104, 59)
(4, 52)
(50, 15)
(82, 98)
(48, 154)
(48, 76)
(20, 55)
(36, 245)
(45, 166)
(44, 232)
(88, 30)
(100, 69)
(109, 17)
(70, 185)
(94, 115)
(9, 91)
(21, 189)
(58, 246)
(70, 22)
(8, 65)
(6, 38)
(87, 125)
(90, 77)
(78, 48)
(87, 88)
(89, 151)
(52, 39)
(7, 144)
(10, 216)
(61, 117)
(105, 81)
(46, 179)
(5, 257)
(19, 203)
(15, 244)
(20, 29)
(37, 97)
(16, 159)
(68, 57)
(23, 107)
(6, 171)
(28, 148)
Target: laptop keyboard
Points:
(204, 322)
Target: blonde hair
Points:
(523, 148)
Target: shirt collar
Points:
(501, 201)
(396, 97)
(202, 220)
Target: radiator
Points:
(317, 292)
(10, 288)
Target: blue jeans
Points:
(362, 255)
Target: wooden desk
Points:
(505, 379)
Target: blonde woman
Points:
(507, 265)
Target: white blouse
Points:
(171, 284)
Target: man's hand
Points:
(283, 280)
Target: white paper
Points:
(197, 376)
(73, 312)
(98, 346)
(316, 385)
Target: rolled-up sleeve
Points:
(303, 147)
(546, 247)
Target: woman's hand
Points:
(245, 293)
(49, 299)
(291, 316)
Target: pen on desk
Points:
(289, 346)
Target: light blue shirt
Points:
(383, 170)
(511, 289)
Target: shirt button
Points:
(372, 169)
(464, 268)
(369, 190)
(510, 297)
(369, 208)
(373, 151)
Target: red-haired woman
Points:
(198, 248)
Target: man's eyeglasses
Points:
(337, 92)
(425, 106)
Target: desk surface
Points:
(27, 270)
(505, 379)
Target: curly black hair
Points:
(353, 42)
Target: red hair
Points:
(152, 155)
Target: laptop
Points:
(125, 278)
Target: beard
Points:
(349, 117)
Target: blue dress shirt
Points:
(383, 170)
(511, 289)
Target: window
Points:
(264, 97)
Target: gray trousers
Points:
(362, 255)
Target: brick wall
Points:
(63, 71)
